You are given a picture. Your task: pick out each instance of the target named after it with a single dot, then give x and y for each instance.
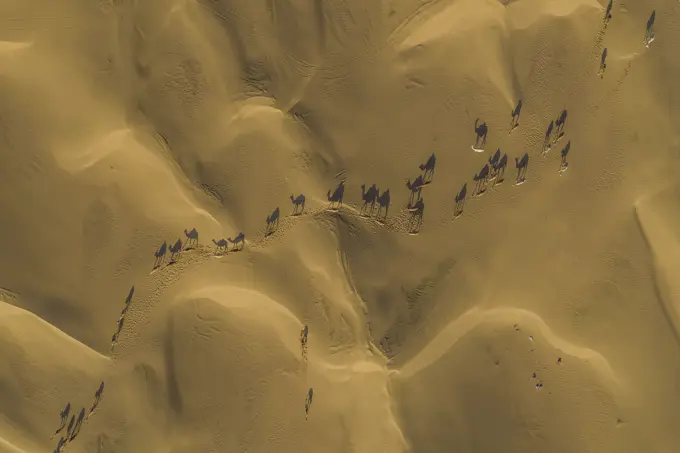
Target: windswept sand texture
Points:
(542, 317)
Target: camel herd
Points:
(491, 173)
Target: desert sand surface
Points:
(524, 298)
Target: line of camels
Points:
(491, 173)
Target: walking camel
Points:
(564, 165)
(369, 197)
(160, 254)
(337, 196)
(559, 123)
(428, 167)
(547, 140)
(175, 250)
(272, 221)
(192, 238)
(63, 416)
(384, 202)
(97, 398)
(514, 122)
(522, 165)
(460, 201)
(500, 170)
(417, 210)
(220, 245)
(240, 239)
(481, 179)
(128, 299)
(415, 187)
(481, 130)
(298, 202)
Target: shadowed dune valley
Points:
(340, 226)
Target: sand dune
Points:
(522, 299)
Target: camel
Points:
(547, 140)
(71, 425)
(460, 201)
(241, 238)
(417, 210)
(514, 122)
(61, 445)
(428, 167)
(272, 221)
(415, 187)
(500, 169)
(128, 299)
(603, 63)
(336, 197)
(97, 398)
(369, 196)
(192, 237)
(308, 401)
(384, 202)
(63, 416)
(160, 254)
(564, 165)
(175, 250)
(298, 202)
(649, 32)
(493, 163)
(79, 424)
(559, 123)
(221, 244)
(522, 165)
(608, 13)
(481, 179)
(481, 130)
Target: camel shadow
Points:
(160, 255)
(603, 63)
(481, 130)
(97, 399)
(560, 122)
(308, 401)
(417, 211)
(369, 198)
(547, 140)
(514, 121)
(481, 179)
(649, 30)
(460, 201)
(61, 445)
(335, 199)
(128, 299)
(608, 13)
(220, 246)
(415, 187)
(240, 239)
(384, 203)
(63, 415)
(78, 425)
(298, 204)
(428, 169)
(192, 239)
(522, 166)
(272, 222)
(564, 165)
(175, 251)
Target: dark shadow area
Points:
(240, 239)
(522, 166)
(308, 401)
(560, 122)
(384, 203)
(514, 122)
(160, 255)
(649, 30)
(547, 140)
(415, 187)
(481, 130)
(460, 201)
(564, 165)
(369, 198)
(481, 179)
(60, 445)
(128, 299)
(335, 199)
(78, 425)
(428, 169)
(298, 204)
(175, 250)
(608, 12)
(417, 210)
(63, 417)
(603, 63)
(97, 399)
(272, 222)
